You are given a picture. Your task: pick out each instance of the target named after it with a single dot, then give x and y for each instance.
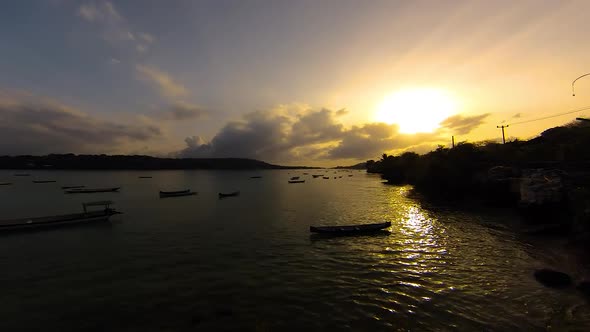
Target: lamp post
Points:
(574, 81)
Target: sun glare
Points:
(416, 110)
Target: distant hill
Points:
(362, 165)
(122, 162)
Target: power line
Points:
(553, 116)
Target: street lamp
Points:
(573, 92)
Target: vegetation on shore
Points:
(123, 162)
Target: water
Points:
(249, 262)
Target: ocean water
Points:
(249, 263)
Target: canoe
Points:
(296, 181)
(72, 187)
(235, 193)
(188, 192)
(61, 220)
(44, 181)
(92, 190)
(350, 229)
(174, 192)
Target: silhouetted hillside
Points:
(362, 165)
(72, 161)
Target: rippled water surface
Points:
(250, 263)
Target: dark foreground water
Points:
(249, 263)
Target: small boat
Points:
(256, 177)
(295, 178)
(340, 177)
(187, 192)
(144, 177)
(235, 193)
(349, 175)
(92, 190)
(60, 220)
(305, 173)
(316, 175)
(350, 229)
(326, 177)
(5, 183)
(44, 181)
(296, 181)
(22, 174)
(72, 187)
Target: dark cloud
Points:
(182, 111)
(461, 125)
(30, 125)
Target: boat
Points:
(44, 181)
(22, 174)
(235, 193)
(295, 178)
(60, 220)
(316, 175)
(326, 177)
(349, 175)
(296, 181)
(92, 190)
(187, 192)
(305, 173)
(256, 177)
(5, 183)
(72, 187)
(145, 177)
(350, 229)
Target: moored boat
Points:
(22, 174)
(44, 181)
(5, 183)
(326, 177)
(187, 192)
(294, 178)
(72, 187)
(316, 175)
(296, 181)
(223, 195)
(92, 190)
(350, 229)
(256, 177)
(145, 177)
(60, 220)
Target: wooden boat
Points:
(92, 190)
(5, 183)
(22, 174)
(350, 229)
(235, 193)
(44, 181)
(72, 187)
(295, 178)
(296, 181)
(61, 220)
(187, 192)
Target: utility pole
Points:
(453, 141)
(503, 137)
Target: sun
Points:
(416, 110)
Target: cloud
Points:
(114, 61)
(182, 111)
(115, 28)
(31, 125)
(291, 133)
(163, 82)
(461, 125)
(517, 116)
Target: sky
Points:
(320, 83)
